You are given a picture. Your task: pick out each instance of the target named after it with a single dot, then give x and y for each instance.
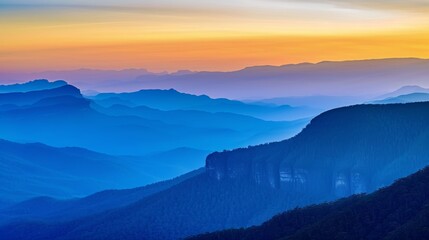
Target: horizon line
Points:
(165, 72)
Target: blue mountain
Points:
(407, 98)
(344, 151)
(405, 90)
(35, 85)
(43, 116)
(35, 169)
(196, 118)
(174, 100)
(159, 144)
(48, 208)
(28, 98)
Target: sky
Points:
(214, 35)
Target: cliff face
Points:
(344, 151)
(287, 178)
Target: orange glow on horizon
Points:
(217, 54)
(161, 37)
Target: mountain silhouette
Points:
(35, 85)
(28, 98)
(408, 98)
(41, 116)
(405, 90)
(52, 209)
(174, 100)
(34, 169)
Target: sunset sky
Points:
(168, 35)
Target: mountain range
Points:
(405, 90)
(374, 146)
(169, 100)
(361, 78)
(407, 98)
(134, 144)
(35, 85)
(34, 169)
(52, 209)
(34, 116)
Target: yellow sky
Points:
(38, 35)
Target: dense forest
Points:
(399, 211)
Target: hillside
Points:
(34, 169)
(52, 209)
(341, 152)
(397, 212)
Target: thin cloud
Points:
(399, 5)
(139, 9)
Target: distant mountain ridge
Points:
(31, 97)
(351, 78)
(407, 98)
(33, 169)
(35, 85)
(405, 90)
(47, 208)
(368, 78)
(30, 170)
(171, 99)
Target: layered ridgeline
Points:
(343, 78)
(53, 210)
(157, 144)
(34, 169)
(341, 152)
(174, 100)
(63, 117)
(35, 85)
(399, 211)
(406, 98)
